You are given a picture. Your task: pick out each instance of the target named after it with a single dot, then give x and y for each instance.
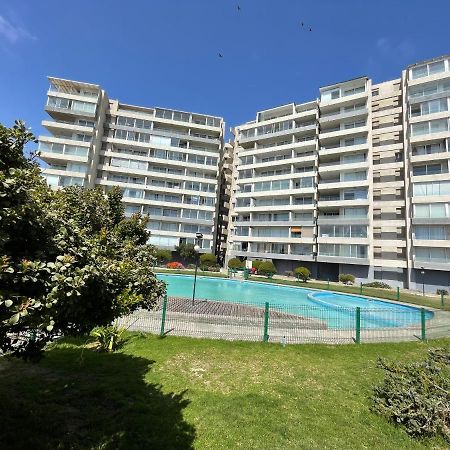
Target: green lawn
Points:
(389, 294)
(180, 393)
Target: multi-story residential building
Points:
(165, 161)
(356, 181)
(426, 106)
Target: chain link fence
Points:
(287, 324)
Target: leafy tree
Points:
(187, 252)
(256, 263)
(236, 263)
(207, 260)
(116, 208)
(133, 229)
(303, 273)
(66, 264)
(163, 256)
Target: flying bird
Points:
(220, 55)
(238, 7)
(302, 24)
(310, 29)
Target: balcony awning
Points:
(296, 229)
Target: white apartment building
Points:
(165, 161)
(356, 181)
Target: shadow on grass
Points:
(74, 400)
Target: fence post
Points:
(442, 298)
(360, 288)
(398, 293)
(163, 316)
(423, 324)
(358, 325)
(328, 284)
(266, 322)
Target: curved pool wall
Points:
(337, 310)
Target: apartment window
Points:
(432, 126)
(438, 233)
(427, 69)
(331, 94)
(242, 202)
(436, 255)
(428, 169)
(304, 182)
(431, 188)
(343, 250)
(375, 92)
(355, 194)
(433, 210)
(429, 149)
(354, 176)
(355, 212)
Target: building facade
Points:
(165, 161)
(356, 181)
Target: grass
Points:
(183, 393)
(388, 294)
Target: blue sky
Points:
(165, 52)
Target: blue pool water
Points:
(337, 310)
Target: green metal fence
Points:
(268, 322)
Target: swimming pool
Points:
(336, 310)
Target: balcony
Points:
(338, 116)
(325, 135)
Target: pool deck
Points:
(234, 321)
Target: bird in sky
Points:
(310, 29)
(302, 24)
(238, 7)
(220, 55)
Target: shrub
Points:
(346, 278)
(212, 269)
(190, 266)
(303, 273)
(187, 252)
(267, 268)
(207, 260)
(256, 263)
(441, 291)
(416, 395)
(236, 263)
(162, 256)
(289, 273)
(109, 339)
(377, 284)
(70, 260)
(174, 265)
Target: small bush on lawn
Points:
(346, 278)
(190, 266)
(174, 265)
(442, 291)
(302, 273)
(207, 260)
(256, 263)
(417, 395)
(236, 263)
(267, 268)
(289, 273)
(163, 256)
(109, 339)
(212, 269)
(377, 284)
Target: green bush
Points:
(162, 256)
(346, 278)
(187, 252)
(377, 284)
(256, 263)
(417, 395)
(302, 273)
(109, 339)
(70, 260)
(207, 260)
(236, 263)
(267, 268)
